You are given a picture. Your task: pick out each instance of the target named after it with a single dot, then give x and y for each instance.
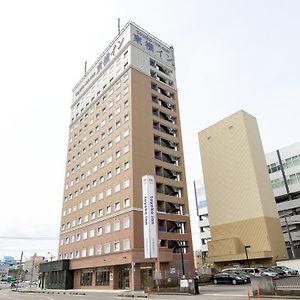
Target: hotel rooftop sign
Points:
(138, 37)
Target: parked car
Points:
(242, 273)
(288, 271)
(229, 277)
(277, 270)
(238, 271)
(267, 272)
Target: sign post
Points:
(150, 224)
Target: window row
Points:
(102, 136)
(107, 193)
(95, 155)
(286, 163)
(97, 250)
(93, 232)
(102, 123)
(91, 94)
(102, 149)
(291, 179)
(87, 202)
(94, 169)
(103, 111)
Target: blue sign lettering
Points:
(149, 46)
(137, 38)
(99, 67)
(106, 59)
(120, 43)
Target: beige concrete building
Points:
(242, 212)
(31, 268)
(125, 123)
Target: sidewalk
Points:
(121, 293)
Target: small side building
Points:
(56, 275)
(243, 216)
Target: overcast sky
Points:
(230, 55)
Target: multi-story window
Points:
(126, 222)
(107, 228)
(116, 246)
(107, 248)
(117, 225)
(126, 244)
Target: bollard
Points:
(258, 294)
(158, 290)
(249, 297)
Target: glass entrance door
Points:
(124, 277)
(146, 277)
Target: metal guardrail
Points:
(287, 283)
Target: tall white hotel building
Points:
(125, 123)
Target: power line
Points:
(28, 238)
(36, 249)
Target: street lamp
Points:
(182, 262)
(247, 247)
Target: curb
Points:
(125, 295)
(50, 292)
(133, 296)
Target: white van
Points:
(251, 271)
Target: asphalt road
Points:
(212, 292)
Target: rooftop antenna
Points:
(85, 65)
(119, 25)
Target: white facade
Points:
(290, 161)
(202, 213)
(131, 48)
(284, 171)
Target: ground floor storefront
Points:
(118, 271)
(127, 276)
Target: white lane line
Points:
(223, 295)
(41, 297)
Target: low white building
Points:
(284, 171)
(202, 213)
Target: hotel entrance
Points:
(146, 277)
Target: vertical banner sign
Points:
(146, 217)
(149, 217)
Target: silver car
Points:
(288, 271)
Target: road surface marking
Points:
(224, 295)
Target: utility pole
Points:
(32, 268)
(20, 270)
(85, 67)
(248, 262)
(290, 237)
(119, 30)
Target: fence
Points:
(287, 283)
(171, 281)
